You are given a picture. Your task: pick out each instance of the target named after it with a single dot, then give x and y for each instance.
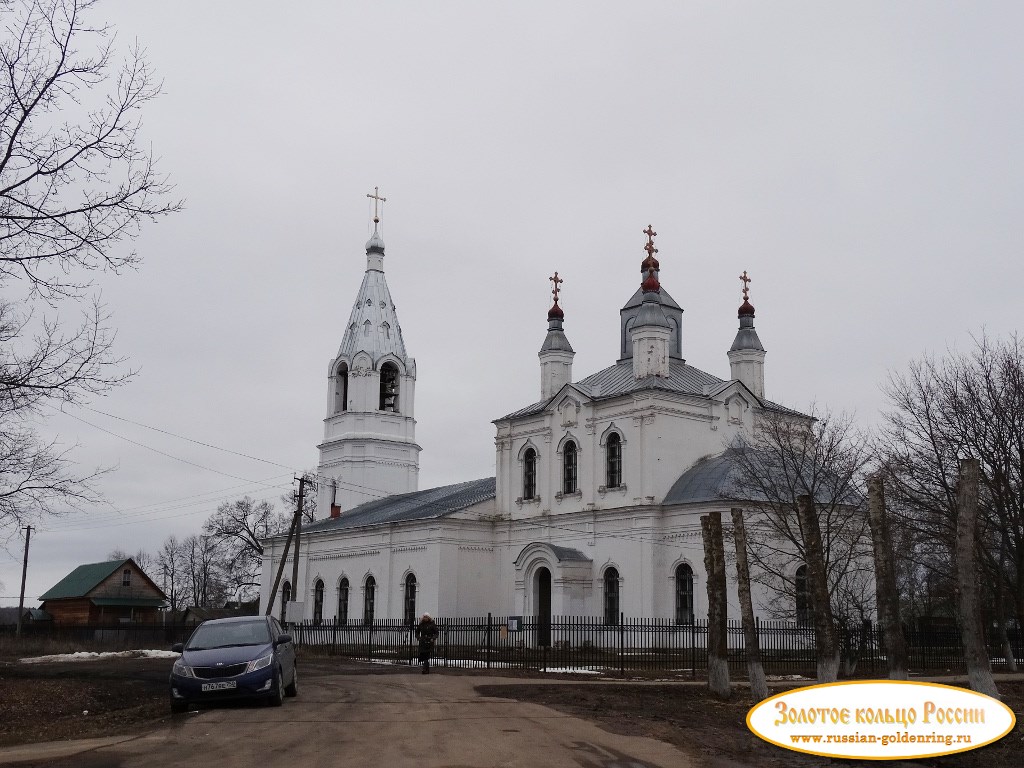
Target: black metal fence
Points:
(570, 643)
(590, 644)
(42, 636)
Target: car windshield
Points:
(218, 635)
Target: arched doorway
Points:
(542, 600)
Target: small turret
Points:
(746, 356)
(651, 331)
(556, 353)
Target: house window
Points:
(126, 577)
(611, 596)
(410, 600)
(684, 594)
(804, 612)
(343, 602)
(318, 602)
(569, 465)
(389, 387)
(529, 474)
(369, 597)
(613, 449)
(341, 389)
(286, 596)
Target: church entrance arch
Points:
(542, 599)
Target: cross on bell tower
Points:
(376, 199)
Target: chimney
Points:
(335, 511)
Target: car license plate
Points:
(222, 686)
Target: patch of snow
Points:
(776, 678)
(94, 656)
(573, 671)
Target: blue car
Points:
(243, 657)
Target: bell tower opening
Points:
(389, 387)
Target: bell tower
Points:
(369, 449)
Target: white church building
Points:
(600, 481)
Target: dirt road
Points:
(374, 720)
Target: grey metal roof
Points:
(710, 479)
(418, 505)
(618, 379)
(568, 554)
(638, 298)
(717, 478)
(373, 323)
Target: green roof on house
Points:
(81, 581)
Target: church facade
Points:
(599, 488)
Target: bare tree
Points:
(237, 529)
(825, 639)
(979, 670)
(75, 184)
(207, 581)
(755, 669)
(714, 564)
(823, 457)
(885, 581)
(965, 404)
(170, 560)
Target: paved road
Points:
(392, 720)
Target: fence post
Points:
(488, 639)
(622, 645)
(369, 642)
(693, 648)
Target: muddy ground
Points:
(71, 700)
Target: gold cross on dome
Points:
(651, 250)
(746, 281)
(556, 280)
(376, 198)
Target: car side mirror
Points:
(178, 648)
(282, 639)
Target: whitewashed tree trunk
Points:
(714, 564)
(979, 670)
(758, 683)
(825, 637)
(886, 594)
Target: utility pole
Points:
(298, 535)
(24, 573)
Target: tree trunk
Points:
(1004, 638)
(885, 582)
(817, 581)
(979, 670)
(758, 683)
(714, 564)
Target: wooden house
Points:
(114, 592)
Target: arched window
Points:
(343, 602)
(611, 596)
(389, 387)
(684, 594)
(341, 389)
(409, 604)
(286, 597)
(529, 474)
(613, 450)
(569, 465)
(318, 602)
(369, 598)
(804, 612)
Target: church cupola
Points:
(556, 353)
(746, 356)
(650, 277)
(650, 331)
(369, 447)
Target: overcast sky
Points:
(862, 161)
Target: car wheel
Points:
(292, 689)
(277, 696)
(178, 707)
